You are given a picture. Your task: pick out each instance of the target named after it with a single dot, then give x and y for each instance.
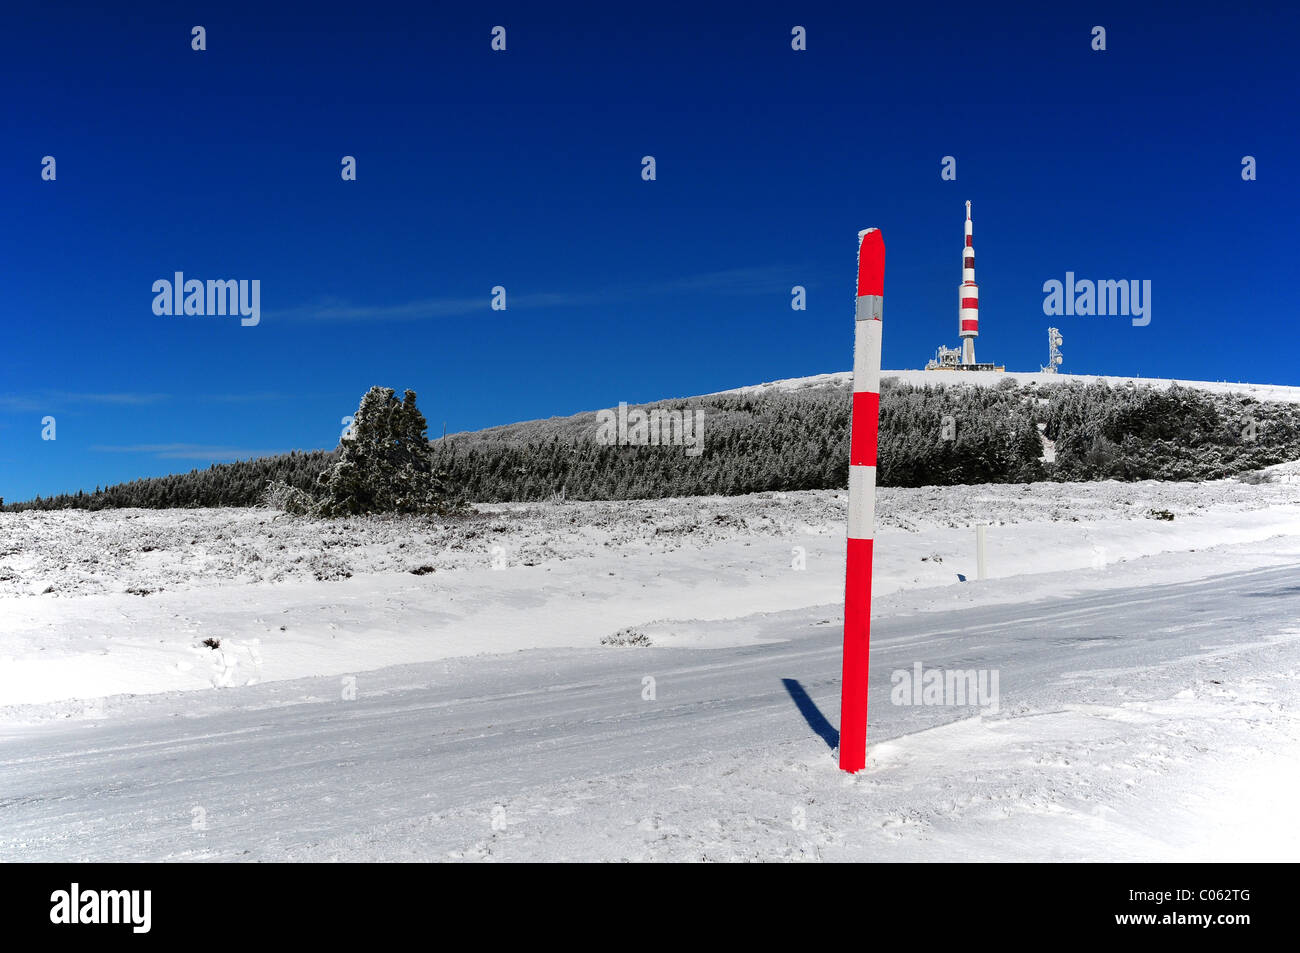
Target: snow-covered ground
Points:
(1148, 669)
(121, 602)
(1282, 393)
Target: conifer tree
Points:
(385, 462)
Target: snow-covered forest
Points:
(797, 439)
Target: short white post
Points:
(979, 551)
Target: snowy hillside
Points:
(1281, 393)
(793, 435)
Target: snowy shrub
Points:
(1160, 515)
(329, 568)
(1258, 477)
(279, 495)
(628, 636)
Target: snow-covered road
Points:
(297, 770)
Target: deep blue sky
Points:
(522, 169)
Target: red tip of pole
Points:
(871, 262)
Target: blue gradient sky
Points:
(522, 169)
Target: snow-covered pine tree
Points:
(385, 464)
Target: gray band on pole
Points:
(870, 307)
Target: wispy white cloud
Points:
(188, 451)
(258, 397)
(734, 281)
(50, 400)
(119, 398)
(334, 309)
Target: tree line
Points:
(784, 440)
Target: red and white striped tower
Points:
(968, 317)
(862, 499)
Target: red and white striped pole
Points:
(968, 297)
(862, 499)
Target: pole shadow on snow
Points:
(811, 713)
